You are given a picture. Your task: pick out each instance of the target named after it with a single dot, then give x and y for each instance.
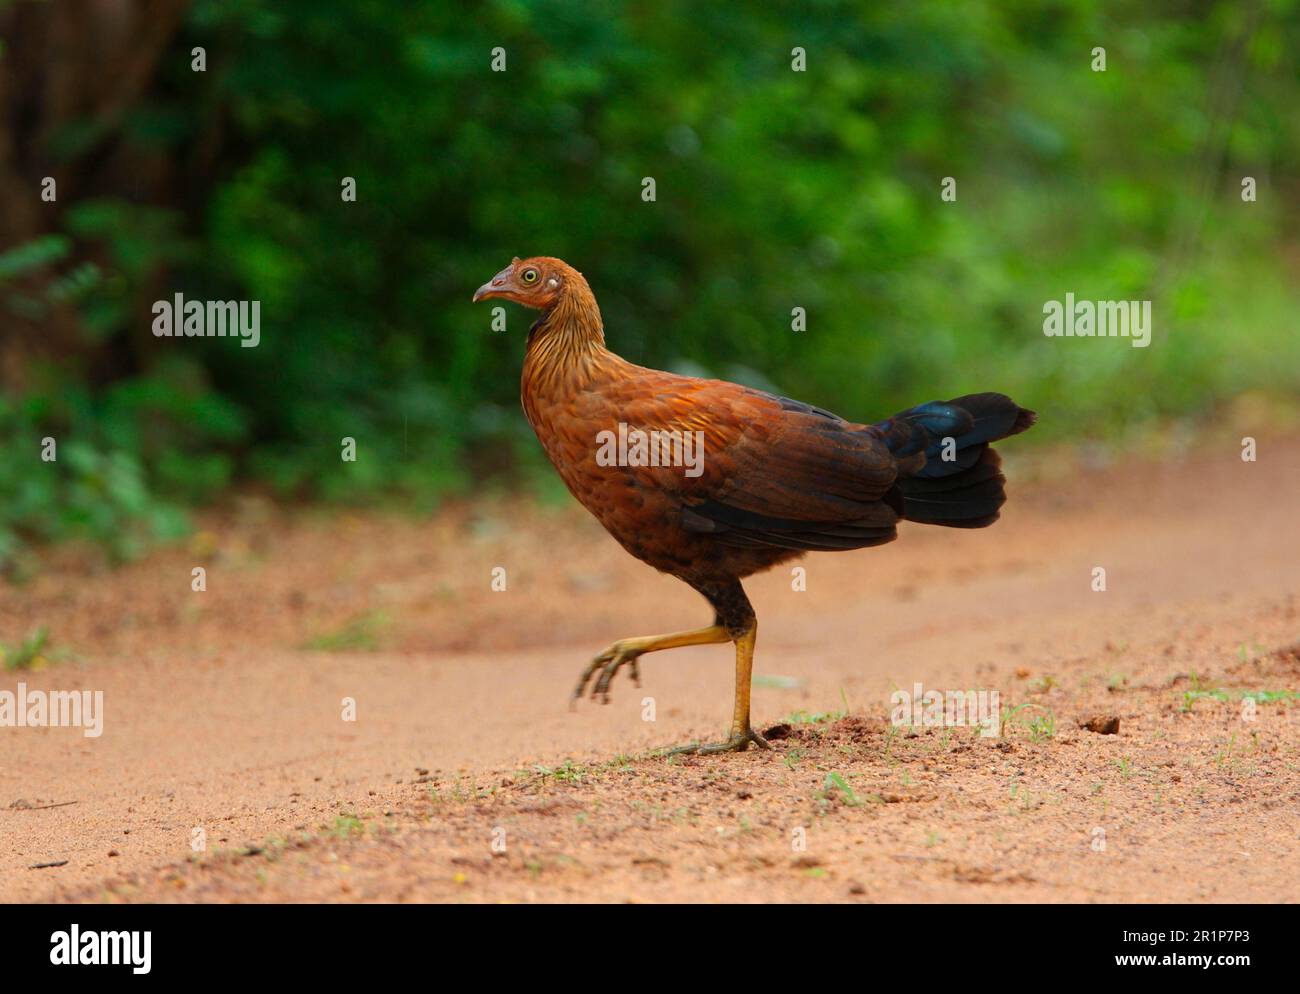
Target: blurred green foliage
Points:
(775, 189)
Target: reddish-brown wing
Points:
(775, 471)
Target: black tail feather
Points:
(969, 499)
(958, 482)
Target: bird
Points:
(712, 482)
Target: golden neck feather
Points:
(567, 341)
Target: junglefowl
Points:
(778, 478)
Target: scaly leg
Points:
(742, 734)
(624, 652)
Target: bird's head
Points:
(538, 282)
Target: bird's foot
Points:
(609, 662)
(738, 742)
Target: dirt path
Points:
(216, 718)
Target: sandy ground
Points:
(466, 776)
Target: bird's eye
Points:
(530, 276)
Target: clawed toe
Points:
(738, 742)
(609, 663)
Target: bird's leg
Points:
(736, 615)
(742, 733)
(625, 652)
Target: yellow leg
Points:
(744, 680)
(742, 734)
(625, 652)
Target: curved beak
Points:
(498, 286)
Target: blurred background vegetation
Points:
(775, 189)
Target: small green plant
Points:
(834, 781)
(346, 826)
(1190, 697)
(891, 733)
(29, 654)
(359, 634)
(1043, 727)
(1270, 696)
(1197, 693)
(1245, 653)
(1226, 754)
(566, 772)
